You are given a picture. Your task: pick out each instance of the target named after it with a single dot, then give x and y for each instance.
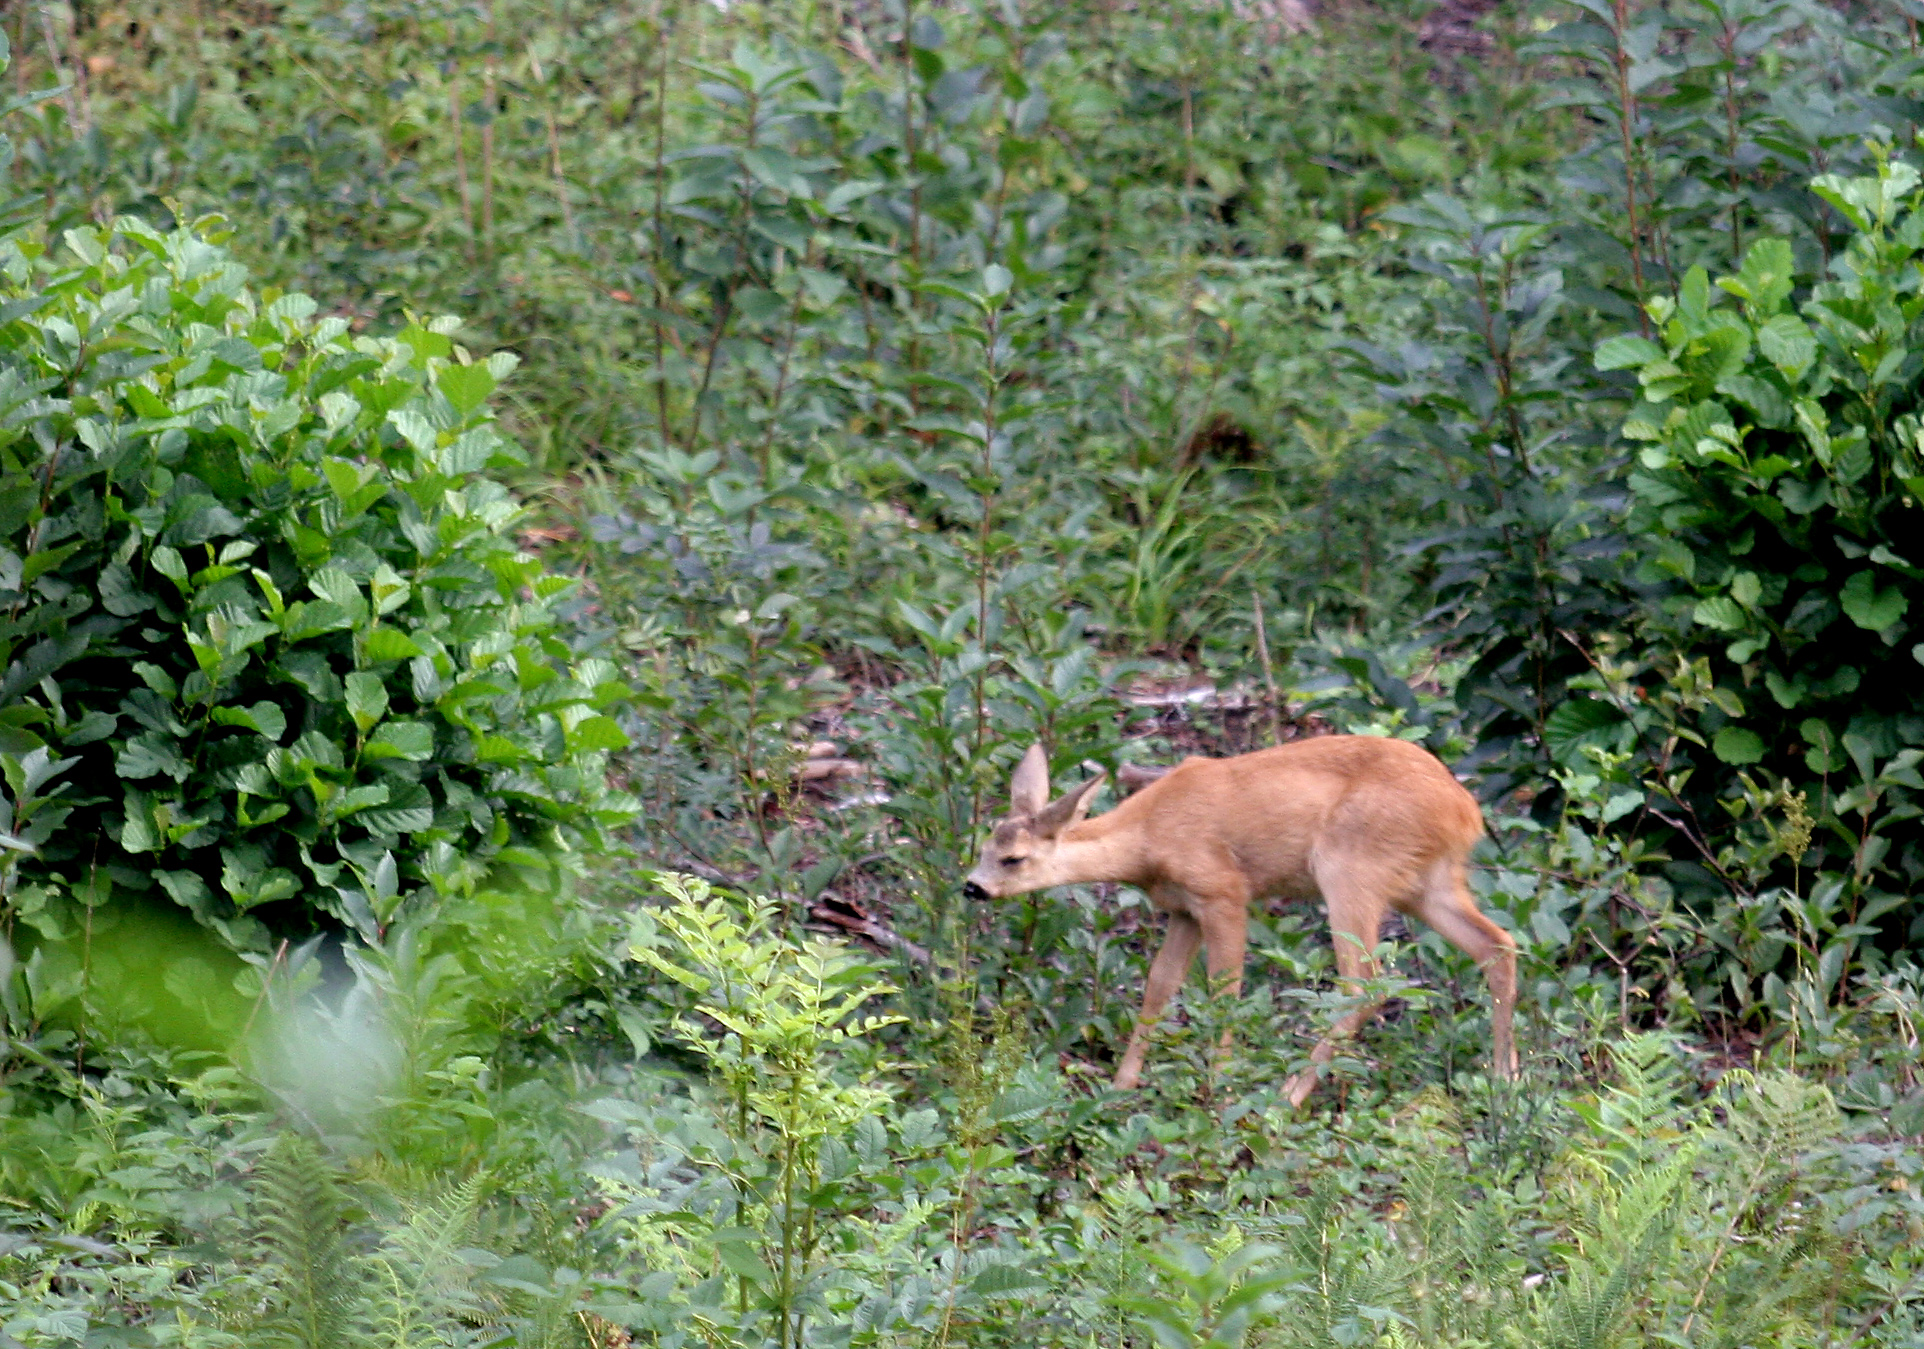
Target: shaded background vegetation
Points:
(899, 384)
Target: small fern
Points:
(420, 1290)
(302, 1225)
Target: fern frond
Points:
(302, 1224)
(422, 1284)
(1779, 1115)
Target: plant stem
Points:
(59, 68)
(460, 155)
(660, 241)
(908, 132)
(487, 142)
(1269, 673)
(762, 451)
(1727, 41)
(991, 380)
(1626, 124)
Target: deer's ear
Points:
(1029, 791)
(1059, 815)
(1133, 777)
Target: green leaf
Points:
(386, 644)
(96, 725)
(264, 717)
(408, 809)
(37, 565)
(366, 699)
(740, 1259)
(187, 890)
(1719, 612)
(466, 386)
(1769, 406)
(120, 595)
(1787, 343)
(425, 343)
(168, 563)
(138, 833)
(1804, 498)
(1868, 606)
(1577, 722)
(157, 679)
(1005, 1280)
(1736, 745)
(593, 734)
(410, 740)
(499, 749)
(337, 588)
(1627, 352)
(150, 755)
(1767, 276)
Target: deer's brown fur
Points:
(1364, 823)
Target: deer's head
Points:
(1020, 855)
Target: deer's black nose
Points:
(973, 891)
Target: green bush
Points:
(271, 651)
(1778, 484)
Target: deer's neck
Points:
(1109, 847)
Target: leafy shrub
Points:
(1778, 481)
(267, 625)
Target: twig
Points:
(487, 143)
(560, 179)
(461, 155)
(267, 982)
(59, 70)
(1269, 675)
(828, 909)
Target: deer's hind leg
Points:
(1357, 893)
(1446, 904)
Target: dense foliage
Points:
(1779, 478)
(273, 645)
(414, 929)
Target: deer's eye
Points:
(1013, 861)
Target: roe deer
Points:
(1363, 822)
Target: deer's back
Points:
(1364, 800)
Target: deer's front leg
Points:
(1166, 973)
(1225, 931)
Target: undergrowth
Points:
(901, 385)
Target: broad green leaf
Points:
(410, 740)
(264, 717)
(597, 733)
(1627, 352)
(1719, 612)
(386, 644)
(366, 699)
(466, 386)
(408, 810)
(1005, 1280)
(1869, 606)
(1738, 745)
(148, 755)
(740, 1259)
(339, 589)
(1786, 342)
(426, 343)
(1577, 722)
